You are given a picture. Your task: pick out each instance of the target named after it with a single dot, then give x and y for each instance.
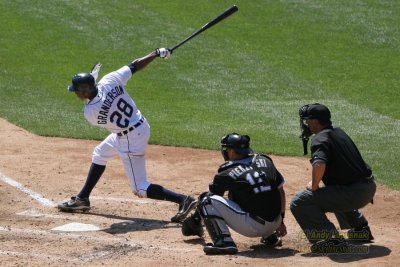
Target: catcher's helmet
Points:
(239, 143)
(82, 82)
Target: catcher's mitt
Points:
(192, 226)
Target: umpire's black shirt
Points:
(344, 163)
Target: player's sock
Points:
(156, 191)
(93, 177)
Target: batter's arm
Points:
(141, 63)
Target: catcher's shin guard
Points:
(215, 225)
(216, 228)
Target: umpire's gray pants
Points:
(237, 219)
(309, 207)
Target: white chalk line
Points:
(48, 203)
(49, 257)
(36, 196)
(74, 217)
(41, 233)
(139, 201)
(35, 255)
(122, 241)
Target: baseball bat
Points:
(208, 25)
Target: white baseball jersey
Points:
(113, 108)
(116, 111)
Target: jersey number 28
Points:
(118, 116)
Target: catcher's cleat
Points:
(75, 204)
(360, 234)
(184, 208)
(220, 247)
(272, 241)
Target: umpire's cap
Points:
(315, 111)
(239, 143)
(82, 82)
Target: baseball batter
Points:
(109, 105)
(256, 200)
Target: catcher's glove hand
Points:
(192, 226)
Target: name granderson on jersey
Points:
(105, 108)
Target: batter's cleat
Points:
(184, 208)
(272, 241)
(75, 204)
(220, 248)
(361, 234)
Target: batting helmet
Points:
(239, 143)
(82, 82)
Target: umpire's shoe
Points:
(75, 204)
(360, 234)
(220, 247)
(184, 208)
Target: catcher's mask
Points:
(312, 111)
(239, 143)
(82, 82)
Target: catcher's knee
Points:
(203, 202)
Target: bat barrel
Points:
(209, 24)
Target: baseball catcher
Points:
(109, 105)
(255, 206)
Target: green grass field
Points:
(248, 74)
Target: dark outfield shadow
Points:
(130, 224)
(360, 252)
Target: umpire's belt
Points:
(130, 129)
(257, 219)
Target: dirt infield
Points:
(38, 172)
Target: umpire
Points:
(255, 205)
(348, 182)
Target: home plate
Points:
(76, 227)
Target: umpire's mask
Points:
(312, 111)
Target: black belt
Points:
(130, 129)
(257, 219)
